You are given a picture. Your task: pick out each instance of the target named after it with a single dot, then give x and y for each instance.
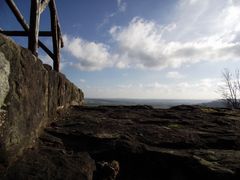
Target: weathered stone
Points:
(47, 67)
(106, 170)
(4, 75)
(184, 142)
(52, 163)
(30, 96)
(135, 142)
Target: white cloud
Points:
(202, 30)
(82, 80)
(193, 1)
(125, 86)
(202, 89)
(90, 56)
(144, 45)
(106, 19)
(174, 75)
(122, 5)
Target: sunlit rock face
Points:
(4, 74)
(4, 88)
(30, 95)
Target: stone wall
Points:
(30, 94)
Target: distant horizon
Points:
(149, 99)
(156, 103)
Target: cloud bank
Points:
(206, 89)
(201, 31)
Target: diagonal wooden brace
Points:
(25, 26)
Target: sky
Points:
(147, 49)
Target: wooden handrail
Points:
(24, 33)
(18, 15)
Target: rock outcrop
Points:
(30, 96)
(136, 142)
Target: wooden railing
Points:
(32, 30)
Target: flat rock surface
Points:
(184, 142)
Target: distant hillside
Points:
(217, 104)
(156, 103)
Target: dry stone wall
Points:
(30, 94)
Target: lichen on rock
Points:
(4, 75)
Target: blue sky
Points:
(157, 49)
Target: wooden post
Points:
(55, 35)
(34, 26)
(32, 31)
